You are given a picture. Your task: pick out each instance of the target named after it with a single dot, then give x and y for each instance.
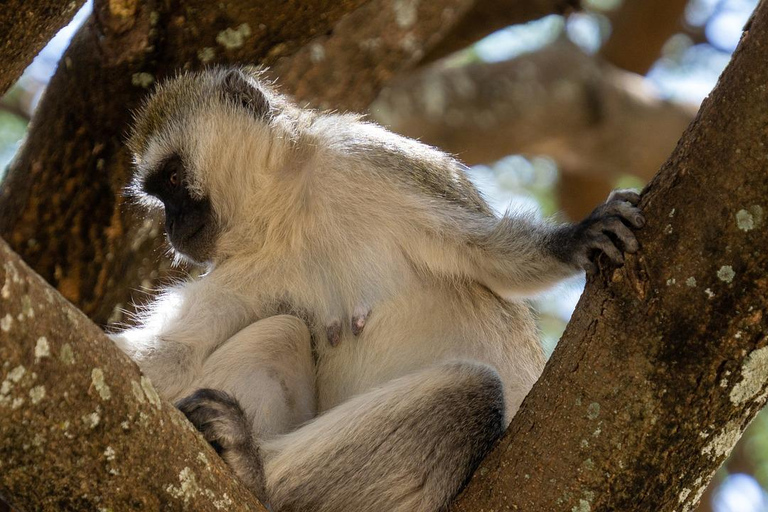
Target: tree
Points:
(641, 409)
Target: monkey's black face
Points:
(189, 222)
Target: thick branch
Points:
(76, 415)
(25, 28)
(664, 363)
(596, 121)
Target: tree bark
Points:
(664, 362)
(80, 427)
(25, 28)
(62, 207)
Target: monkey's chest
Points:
(417, 329)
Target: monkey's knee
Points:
(268, 368)
(410, 445)
(473, 404)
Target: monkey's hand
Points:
(333, 328)
(606, 230)
(221, 420)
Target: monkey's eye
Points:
(173, 179)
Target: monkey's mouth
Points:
(195, 244)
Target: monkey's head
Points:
(205, 146)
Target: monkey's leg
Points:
(407, 446)
(259, 383)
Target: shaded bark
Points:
(25, 28)
(80, 427)
(596, 121)
(664, 362)
(61, 205)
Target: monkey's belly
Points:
(429, 325)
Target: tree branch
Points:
(663, 364)
(596, 121)
(488, 16)
(76, 414)
(25, 28)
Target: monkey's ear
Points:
(244, 90)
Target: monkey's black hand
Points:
(221, 420)
(606, 230)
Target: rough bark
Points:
(25, 28)
(596, 121)
(80, 427)
(664, 363)
(61, 205)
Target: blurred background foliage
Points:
(686, 71)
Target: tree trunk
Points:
(664, 363)
(25, 28)
(80, 427)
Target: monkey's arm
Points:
(180, 329)
(517, 255)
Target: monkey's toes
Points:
(217, 416)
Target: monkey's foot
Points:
(606, 230)
(221, 420)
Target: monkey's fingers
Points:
(624, 194)
(617, 229)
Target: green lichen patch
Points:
(233, 38)
(42, 348)
(754, 374)
(97, 379)
(726, 274)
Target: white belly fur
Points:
(426, 325)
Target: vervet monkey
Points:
(408, 346)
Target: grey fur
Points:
(413, 289)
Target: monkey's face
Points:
(190, 224)
(200, 149)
